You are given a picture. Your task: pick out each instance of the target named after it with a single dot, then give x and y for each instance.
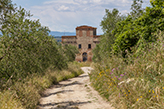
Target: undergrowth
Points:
(25, 93)
(84, 64)
(134, 82)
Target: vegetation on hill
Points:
(30, 59)
(129, 72)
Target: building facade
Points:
(85, 40)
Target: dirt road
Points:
(75, 93)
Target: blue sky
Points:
(66, 15)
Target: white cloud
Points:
(63, 8)
(65, 15)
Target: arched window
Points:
(84, 56)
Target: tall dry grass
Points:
(137, 83)
(25, 93)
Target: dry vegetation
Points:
(26, 92)
(137, 83)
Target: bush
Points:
(27, 51)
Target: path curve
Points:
(75, 93)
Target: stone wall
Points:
(85, 35)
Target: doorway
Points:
(84, 56)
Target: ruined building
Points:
(85, 40)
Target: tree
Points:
(136, 8)
(70, 52)
(108, 24)
(139, 31)
(26, 46)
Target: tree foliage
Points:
(107, 39)
(26, 46)
(136, 9)
(70, 52)
(123, 33)
(139, 31)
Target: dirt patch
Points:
(75, 93)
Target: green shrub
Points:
(30, 59)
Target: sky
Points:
(66, 15)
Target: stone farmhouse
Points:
(85, 40)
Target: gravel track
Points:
(75, 93)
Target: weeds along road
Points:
(75, 93)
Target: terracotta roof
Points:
(68, 36)
(85, 26)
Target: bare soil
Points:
(75, 93)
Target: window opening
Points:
(79, 46)
(89, 46)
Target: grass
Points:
(25, 93)
(137, 83)
(8, 101)
(84, 64)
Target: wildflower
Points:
(141, 96)
(119, 78)
(163, 87)
(153, 91)
(137, 99)
(149, 90)
(126, 95)
(100, 73)
(121, 75)
(152, 43)
(113, 69)
(9, 89)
